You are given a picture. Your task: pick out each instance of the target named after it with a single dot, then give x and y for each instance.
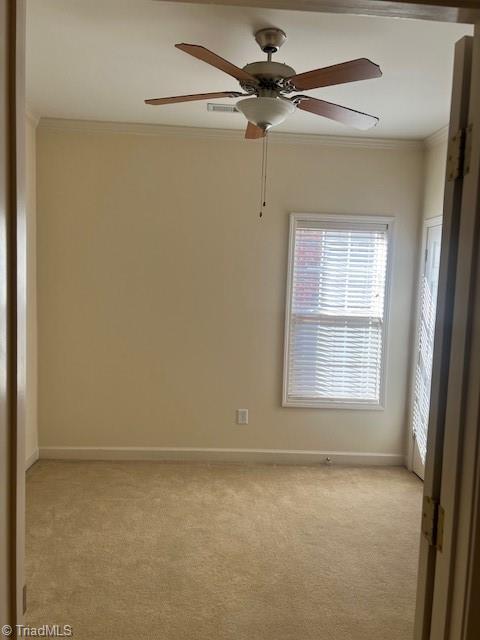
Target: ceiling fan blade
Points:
(338, 113)
(352, 71)
(195, 96)
(253, 132)
(197, 51)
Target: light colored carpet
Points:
(127, 550)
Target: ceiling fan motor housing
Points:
(269, 69)
(269, 76)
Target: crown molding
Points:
(132, 128)
(438, 137)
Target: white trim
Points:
(389, 222)
(273, 456)
(427, 223)
(31, 459)
(93, 126)
(438, 137)
(32, 116)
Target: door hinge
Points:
(24, 598)
(459, 154)
(433, 516)
(468, 150)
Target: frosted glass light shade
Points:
(266, 112)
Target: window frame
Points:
(356, 219)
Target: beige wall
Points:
(435, 168)
(161, 293)
(31, 433)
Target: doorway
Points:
(472, 172)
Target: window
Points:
(335, 321)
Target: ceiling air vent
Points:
(222, 108)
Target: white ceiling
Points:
(99, 59)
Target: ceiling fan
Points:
(266, 85)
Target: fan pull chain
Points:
(261, 178)
(263, 186)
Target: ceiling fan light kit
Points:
(266, 85)
(265, 112)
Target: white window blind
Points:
(423, 370)
(335, 329)
(426, 335)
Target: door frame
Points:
(427, 223)
(465, 11)
(12, 455)
(12, 312)
(453, 613)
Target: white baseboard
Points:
(32, 458)
(272, 456)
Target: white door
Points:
(425, 333)
(447, 599)
(426, 618)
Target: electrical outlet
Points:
(242, 416)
